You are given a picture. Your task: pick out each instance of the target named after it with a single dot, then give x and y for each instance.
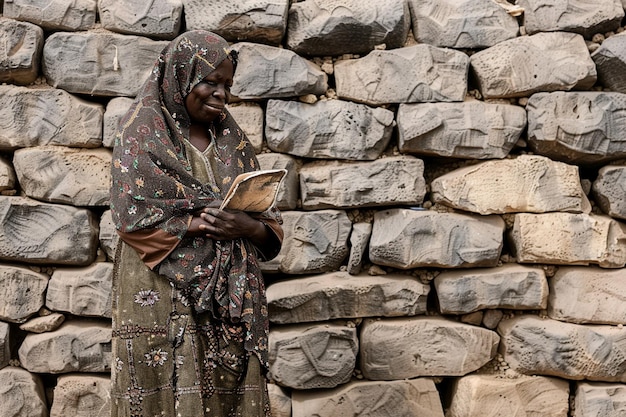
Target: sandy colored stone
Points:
(597, 399)
(58, 15)
(22, 393)
(8, 179)
(280, 401)
(5, 345)
(250, 118)
(289, 190)
(528, 183)
(161, 19)
(108, 237)
(610, 60)
(359, 239)
(116, 109)
(609, 190)
(42, 324)
(82, 395)
(20, 53)
(22, 292)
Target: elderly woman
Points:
(190, 317)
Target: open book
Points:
(254, 191)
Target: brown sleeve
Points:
(152, 245)
(271, 250)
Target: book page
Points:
(254, 191)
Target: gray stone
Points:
(56, 174)
(461, 23)
(47, 116)
(20, 53)
(326, 27)
(108, 237)
(66, 15)
(338, 295)
(528, 183)
(472, 129)
(280, 401)
(609, 190)
(400, 348)
(99, 63)
(577, 127)
(289, 190)
(42, 233)
(82, 395)
(22, 394)
(597, 399)
(429, 74)
(8, 179)
(116, 109)
(511, 286)
(159, 19)
(331, 129)
(491, 318)
(337, 184)
(359, 239)
(5, 344)
(610, 60)
(409, 239)
(528, 64)
(249, 117)
(42, 324)
(22, 293)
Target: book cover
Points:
(254, 191)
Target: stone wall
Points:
(454, 210)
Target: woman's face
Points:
(207, 99)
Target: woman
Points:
(190, 316)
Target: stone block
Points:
(57, 174)
(409, 239)
(82, 395)
(46, 116)
(472, 129)
(412, 397)
(359, 239)
(8, 179)
(22, 292)
(331, 129)
(569, 239)
(54, 15)
(22, 393)
(609, 190)
(289, 190)
(5, 344)
(325, 27)
(610, 60)
(577, 127)
(42, 233)
(535, 346)
(76, 346)
(99, 63)
(588, 295)
(528, 64)
(160, 19)
(312, 356)
(528, 183)
(20, 54)
(339, 184)
(108, 237)
(490, 395)
(280, 401)
(597, 399)
(512, 286)
(42, 324)
(81, 291)
(339, 295)
(315, 242)
(262, 21)
(250, 118)
(461, 23)
(270, 72)
(393, 349)
(429, 74)
(116, 109)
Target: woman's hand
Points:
(227, 225)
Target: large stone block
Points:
(22, 393)
(250, 118)
(270, 72)
(99, 63)
(82, 395)
(597, 399)
(528, 183)
(577, 127)
(46, 116)
(116, 109)
(325, 27)
(280, 401)
(336, 184)
(513, 287)
(338, 295)
(289, 190)
(429, 74)
(20, 53)
(400, 348)
(68, 15)
(159, 19)
(56, 174)
(22, 292)
(528, 64)
(535, 346)
(461, 23)
(569, 239)
(332, 129)
(408, 239)
(609, 190)
(472, 129)
(588, 295)
(610, 60)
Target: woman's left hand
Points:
(227, 225)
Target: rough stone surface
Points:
(250, 118)
(401, 348)
(577, 127)
(461, 23)
(609, 190)
(595, 399)
(569, 239)
(5, 346)
(588, 295)
(326, 27)
(108, 236)
(531, 345)
(359, 239)
(22, 394)
(46, 116)
(408, 239)
(42, 324)
(528, 64)
(22, 293)
(81, 395)
(160, 19)
(62, 15)
(362, 184)
(610, 60)
(99, 63)
(413, 397)
(430, 74)
(528, 183)
(338, 295)
(511, 286)
(115, 110)
(280, 401)
(312, 356)
(288, 192)
(472, 129)
(332, 129)
(80, 177)
(8, 179)
(20, 53)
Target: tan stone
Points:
(250, 118)
(161, 19)
(289, 190)
(610, 60)
(116, 109)
(280, 401)
(54, 14)
(22, 393)
(82, 395)
(609, 190)
(359, 239)
(8, 179)
(5, 345)
(22, 293)
(20, 54)
(108, 237)
(596, 399)
(42, 324)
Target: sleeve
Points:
(271, 250)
